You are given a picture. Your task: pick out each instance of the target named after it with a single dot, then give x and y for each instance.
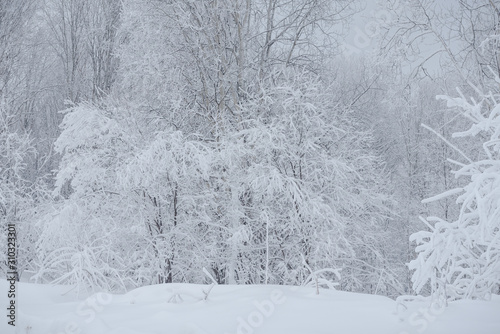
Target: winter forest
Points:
(339, 143)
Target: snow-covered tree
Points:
(461, 259)
(222, 148)
(131, 202)
(19, 196)
(77, 231)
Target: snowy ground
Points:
(177, 308)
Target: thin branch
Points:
(447, 142)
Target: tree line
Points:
(145, 140)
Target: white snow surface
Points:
(264, 309)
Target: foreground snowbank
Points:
(180, 308)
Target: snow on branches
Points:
(461, 259)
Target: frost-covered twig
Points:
(214, 283)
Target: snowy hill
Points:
(180, 308)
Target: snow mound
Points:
(264, 309)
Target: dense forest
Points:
(253, 141)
